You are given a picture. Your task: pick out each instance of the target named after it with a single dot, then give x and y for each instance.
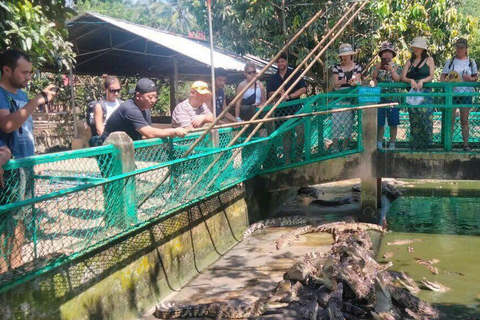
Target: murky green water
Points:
(449, 228)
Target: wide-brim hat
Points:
(420, 42)
(346, 49)
(387, 46)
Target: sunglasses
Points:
(252, 72)
(114, 90)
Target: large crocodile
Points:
(229, 309)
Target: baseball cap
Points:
(201, 87)
(461, 42)
(144, 85)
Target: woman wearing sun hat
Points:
(416, 72)
(387, 71)
(346, 74)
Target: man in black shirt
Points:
(300, 88)
(279, 78)
(133, 116)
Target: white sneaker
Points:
(392, 146)
(379, 146)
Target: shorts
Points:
(19, 186)
(392, 115)
(462, 100)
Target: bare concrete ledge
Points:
(428, 165)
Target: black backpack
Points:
(470, 63)
(90, 114)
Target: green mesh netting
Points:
(59, 206)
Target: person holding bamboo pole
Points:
(346, 75)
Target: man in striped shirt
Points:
(193, 112)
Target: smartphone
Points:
(384, 64)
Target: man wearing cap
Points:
(133, 116)
(193, 112)
(464, 69)
(387, 71)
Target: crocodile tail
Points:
(181, 311)
(275, 222)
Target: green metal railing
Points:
(71, 203)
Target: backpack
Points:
(90, 114)
(470, 63)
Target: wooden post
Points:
(119, 196)
(369, 181)
(174, 86)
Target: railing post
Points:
(368, 174)
(447, 123)
(119, 196)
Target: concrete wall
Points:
(129, 277)
(335, 169)
(429, 165)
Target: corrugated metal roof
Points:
(193, 49)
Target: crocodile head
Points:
(434, 286)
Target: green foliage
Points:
(400, 21)
(36, 27)
(261, 27)
(170, 15)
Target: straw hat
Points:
(346, 49)
(420, 42)
(387, 46)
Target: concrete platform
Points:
(253, 268)
(250, 270)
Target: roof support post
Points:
(215, 137)
(174, 86)
(74, 112)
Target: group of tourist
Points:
(133, 115)
(418, 70)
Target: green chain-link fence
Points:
(57, 207)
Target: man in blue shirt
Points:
(16, 132)
(221, 101)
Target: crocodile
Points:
(334, 202)
(228, 309)
(334, 306)
(312, 255)
(408, 283)
(311, 192)
(403, 242)
(300, 271)
(408, 300)
(388, 255)
(287, 238)
(389, 190)
(275, 223)
(434, 286)
(287, 291)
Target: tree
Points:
(171, 15)
(260, 27)
(37, 27)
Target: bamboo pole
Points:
(240, 94)
(235, 153)
(234, 101)
(302, 115)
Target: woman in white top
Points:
(110, 104)
(252, 98)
